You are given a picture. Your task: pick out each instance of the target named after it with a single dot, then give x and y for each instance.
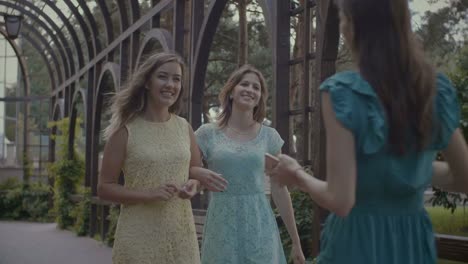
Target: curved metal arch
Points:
(55, 27)
(22, 63)
(83, 27)
(135, 38)
(124, 21)
(73, 33)
(114, 70)
(58, 109)
(162, 36)
(124, 45)
(47, 47)
(53, 36)
(135, 10)
(57, 114)
(46, 61)
(92, 22)
(107, 21)
(94, 125)
(201, 54)
(79, 93)
(109, 68)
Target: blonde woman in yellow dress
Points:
(154, 148)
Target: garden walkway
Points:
(41, 243)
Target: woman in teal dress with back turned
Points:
(385, 124)
(240, 226)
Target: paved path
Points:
(39, 243)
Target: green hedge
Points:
(24, 201)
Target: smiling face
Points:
(247, 93)
(245, 90)
(164, 85)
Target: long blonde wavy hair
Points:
(259, 112)
(131, 100)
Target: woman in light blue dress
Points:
(240, 225)
(385, 125)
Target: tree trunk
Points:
(243, 33)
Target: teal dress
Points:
(388, 223)
(240, 225)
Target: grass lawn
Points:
(445, 222)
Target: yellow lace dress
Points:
(158, 232)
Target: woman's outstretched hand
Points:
(209, 179)
(285, 172)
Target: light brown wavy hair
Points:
(132, 99)
(259, 112)
(390, 58)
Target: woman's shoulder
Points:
(268, 129)
(209, 126)
(348, 82)
(270, 132)
(206, 129)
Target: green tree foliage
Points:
(459, 77)
(224, 52)
(82, 212)
(443, 34)
(20, 201)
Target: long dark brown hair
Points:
(390, 59)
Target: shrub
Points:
(304, 215)
(82, 212)
(113, 217)
(25, 202)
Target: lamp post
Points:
(12, 24)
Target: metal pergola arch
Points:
(65, 54)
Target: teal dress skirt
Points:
(240, 226)
(388, 224)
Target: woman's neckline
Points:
(221, 130)
(156, 122)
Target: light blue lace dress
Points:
(240, 226)
(388, 224)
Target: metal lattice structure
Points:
(87, 64)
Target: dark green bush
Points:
(82, 212)
(68, 173)
(36, 202)
(113, 217)
(304, 215)
(25, 202)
